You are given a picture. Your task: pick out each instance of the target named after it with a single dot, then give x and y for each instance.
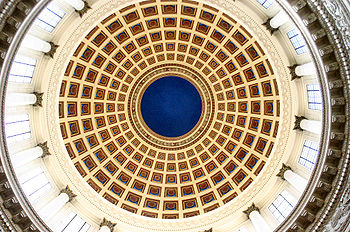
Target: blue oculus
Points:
(171, 106)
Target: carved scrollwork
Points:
(341, 215)
(341, 19)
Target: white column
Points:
(259, 222)
(35, 43)
(20, 99)
(295, 180)
(279, 19)
(104, 229)
(54, 206)
(26, 156)
(76, 4)
(312, 126)
(305, 69)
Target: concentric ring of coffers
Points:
(153, 176)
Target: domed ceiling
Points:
(111, 143)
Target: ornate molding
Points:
(340, 14)
(314, 209)
(205, 91)
(341, 217)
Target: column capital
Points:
(69, 192)
(268, 26)
(107, 223)
(45, 149)
(39, 99)
(53, 49)
(283, 170)
(292, 71)
(84, 10)
(297, 122)
(251, 209)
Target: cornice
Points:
(335, 19)
(318, 204)
(5, 222)
(339, 12)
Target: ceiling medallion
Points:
(168, 143)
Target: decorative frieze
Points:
(341, 18)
